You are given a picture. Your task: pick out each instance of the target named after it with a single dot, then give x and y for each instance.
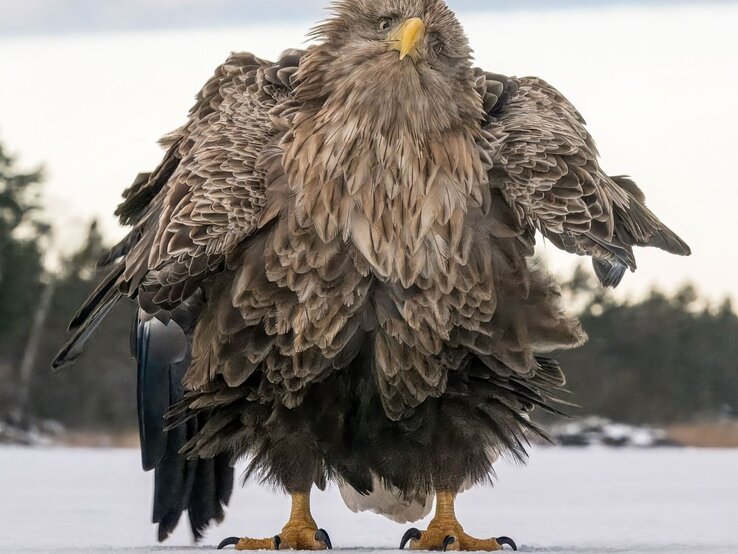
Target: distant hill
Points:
(23, 17)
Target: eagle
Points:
(335, 273)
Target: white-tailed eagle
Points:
(333, 265)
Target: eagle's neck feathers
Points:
(398, 189)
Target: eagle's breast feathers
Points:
(375, 236)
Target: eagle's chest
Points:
(330, 291)
(327, 302)
(401, 204)
(301, 306)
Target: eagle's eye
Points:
(385, 24)
(436, 43)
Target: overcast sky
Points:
(657, 85)
(63, 16)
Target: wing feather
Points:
(546, 164)
(209, 194)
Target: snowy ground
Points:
(565, 501)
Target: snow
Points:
(565, 501)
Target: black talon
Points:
(411, 534)
(502, 541)
(322, 536)
(230, 541)
(277, 542)
(448, 541)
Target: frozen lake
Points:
(564, 501)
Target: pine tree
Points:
(21, 264)
(101, 384)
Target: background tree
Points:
(21, 264)
(99, 391)
(661, 360)
(101, 386)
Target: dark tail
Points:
(202, 487)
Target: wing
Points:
(207, 196)
(546, 165)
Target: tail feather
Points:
(202, 487)
(387, 500)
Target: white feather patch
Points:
(390, 503)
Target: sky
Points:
(657, 85)
(22, 17)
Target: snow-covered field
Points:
(566, 501)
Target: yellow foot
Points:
(251, 544)
(446, 533)
(300, 533)
(303, 538)
(452, 537)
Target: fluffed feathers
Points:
(546, 164)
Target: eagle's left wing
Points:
(546, 165)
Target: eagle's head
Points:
(398, 63)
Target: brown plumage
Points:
(350, 236)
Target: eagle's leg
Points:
(300, 533)
(446, 533)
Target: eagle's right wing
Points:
(207, 196)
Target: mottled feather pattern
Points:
(361, 234)
(546, 164)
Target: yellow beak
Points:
(408, 37)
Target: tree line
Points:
(663, 359)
